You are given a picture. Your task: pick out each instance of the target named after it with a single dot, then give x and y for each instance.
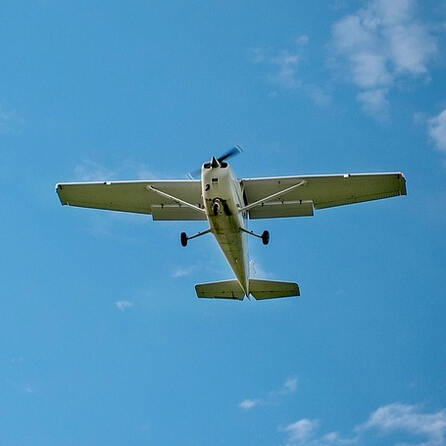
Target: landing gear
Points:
(184, 238)
(265, 237)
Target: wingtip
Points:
(403, 183)
(58, 188)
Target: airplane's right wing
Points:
(137, 197)
(317, 192)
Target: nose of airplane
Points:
(215, 162)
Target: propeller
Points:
(229, 154)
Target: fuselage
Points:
(223, 199)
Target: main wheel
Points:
(183, 238)
(265, 237)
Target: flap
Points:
(276, 209)
(175, 212)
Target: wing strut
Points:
(270, 197)
(178, 200)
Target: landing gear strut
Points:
(265, 235)
(184, 238)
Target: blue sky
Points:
(102, 339)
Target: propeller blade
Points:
(194, 174)
(229, 154)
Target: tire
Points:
(265, 237)
(183, 238)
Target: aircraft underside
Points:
(226, 203)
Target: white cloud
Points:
(183, 271)
(89, 170)
(305, 432)
(249, 404)
(123, 305)
(381, 44)
(290, 385)
(284, 70)
(28, 389)
(286, 63)
(416, 427)
(256, 269)
(409, 419)
(437, 130)
(272, 397)
(302, 40)
(10, 121)
(300, 431)
(374, 101)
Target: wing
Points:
(318, 192)
(135, 196)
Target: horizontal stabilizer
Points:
(225, 289)
(270, 289)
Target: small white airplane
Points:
(227, 203)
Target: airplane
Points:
(227, 203)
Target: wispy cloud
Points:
(123, 305)
(289, 386)
(256, 269)
(88, 170)
(437, 130)
(28, 389)
(284, 70)
(249, 404)
(183, 271)
(300, 432)
(272, 397)
(380, 45)
(10, 121)
(286, 63)
(409, 419)
(422, 428)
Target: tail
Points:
(260, 289)
(270, 289)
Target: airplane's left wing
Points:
(137, 197)
(299, 195)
